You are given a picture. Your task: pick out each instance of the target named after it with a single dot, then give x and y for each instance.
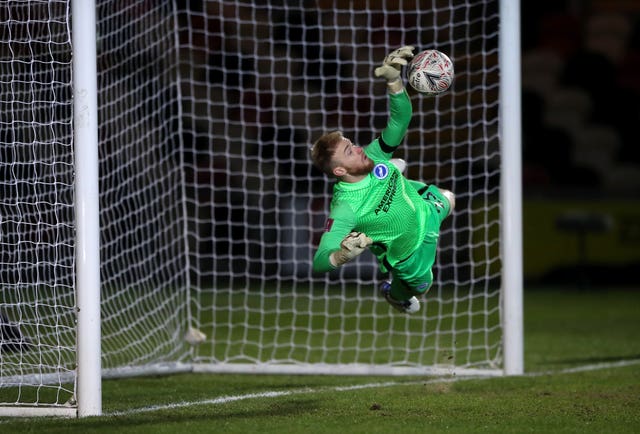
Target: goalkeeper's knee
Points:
(423, 287)
(416, 287)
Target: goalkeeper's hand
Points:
(351, 246)
(393, 63)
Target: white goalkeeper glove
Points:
(392, 66)
(351, 246)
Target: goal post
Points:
(85, 138)
(511, 192)
(45, 130)
(178, 135)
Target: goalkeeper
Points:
(374, 206)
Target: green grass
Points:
(564, 329)
(358, 331)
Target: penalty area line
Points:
(277, 394)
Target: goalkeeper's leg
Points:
(402, 303)
(412, 278)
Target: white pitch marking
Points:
(234, 398)
(273, 394)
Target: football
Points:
(430, 72)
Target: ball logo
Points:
(380, 171)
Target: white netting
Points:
(210, 209)
(144, 295)
(37, 301)
(264, 81)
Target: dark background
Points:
(581, 156)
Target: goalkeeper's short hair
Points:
(323, 149)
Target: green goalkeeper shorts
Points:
(414, 275)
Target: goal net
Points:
(209, 207)
(263, 82)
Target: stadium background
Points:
(581, 156)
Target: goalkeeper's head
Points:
(337, 156)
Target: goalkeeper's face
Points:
(350, 159)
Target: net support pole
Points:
(511, 186)
(89, 382)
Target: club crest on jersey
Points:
(380, 171)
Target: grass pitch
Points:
(582, 358)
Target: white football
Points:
(430, 72)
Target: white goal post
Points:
(511, 192)
(159, 213)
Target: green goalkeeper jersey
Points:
(384, 205)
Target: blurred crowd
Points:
(581, 96)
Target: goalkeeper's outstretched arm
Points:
(399, 103)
